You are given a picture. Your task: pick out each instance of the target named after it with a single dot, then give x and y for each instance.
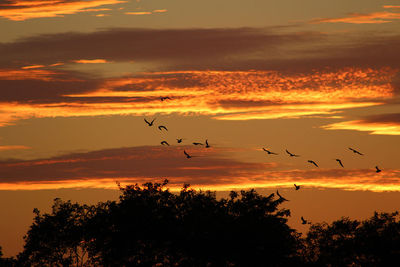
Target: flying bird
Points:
(269, 152)
(186, 154)
(355, 151)
(207, 145)
(292, 155)
(197, 144)
(165, 98)
(303, 221)
(377, 169)
(281, 197)
(162, 127)
(297, 186)
(149, 123)
(340, 162)
(179, 140)
(164, 143)
(313, 162)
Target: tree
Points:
(57, 239)
(373, 242)
(150, 226)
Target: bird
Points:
(292, 155)
(149, 123)
(303, 221)
(165, 98)
(313, 162)
(340, 162)
(377, 169)
(297, 186)
(162, 127)
(269, 152)
(186, 154)
(164, 143)
(207, 145)
(281, 197)
(179, 140)
(355, 151)
(197, 144)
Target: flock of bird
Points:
(178, 140)
(297, 187)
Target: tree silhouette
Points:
(149, 225)
(373, 242)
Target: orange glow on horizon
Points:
(361, 182)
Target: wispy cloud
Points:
(2, 148)
(384, 124)
(368, 18)
(210, 170)
(19, 10)
(90, 61)
(233, 95)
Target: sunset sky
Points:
(78, 78)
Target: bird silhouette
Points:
(179, 140)
(197, 144)
(164, 143)
(165, 98)
(186, 154)
(377, 169)
(281, 197)
(313, 162)
(355, 151)
(292, 155)
(207, 145)
(340, 162)
(297, 187)
(162, 127)
(269, 152)
(303, 221)
(149, 123)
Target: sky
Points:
(311, 77)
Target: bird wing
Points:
(147, 121)
(288, 152)
(184, 152)
(313, 162)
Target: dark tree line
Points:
(150, 226)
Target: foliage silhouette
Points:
(373, 242)
(150, 226)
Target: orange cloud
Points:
(90, 61)
(18, 10)
(382, 124)
(376, 128)
(160, 11)
(229, 95)
(138, 13)
(388, 6)
(103, 168)
(2, 148)
(357, 18)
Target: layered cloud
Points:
(20, 10)
(227, 95)
(383, 124)
(208, 169)
(209, 71)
